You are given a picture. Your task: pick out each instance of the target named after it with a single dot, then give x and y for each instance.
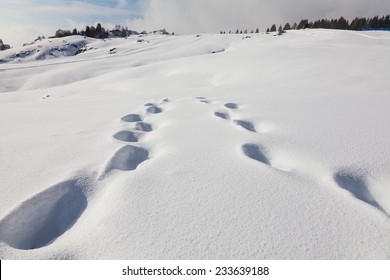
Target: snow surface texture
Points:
(197, 147)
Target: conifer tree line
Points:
(98, 32)
(375, 23)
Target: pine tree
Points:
(257, 30)
(294, 26)
(280, 30)
(88, 31)
(303, 24)
(273, 28)
(287, 26)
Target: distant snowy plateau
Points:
(197, 147)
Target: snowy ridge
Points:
(210, 147)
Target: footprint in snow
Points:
(154, 109)
(233, 106)
(222, 115)
(126, 158)
(202, 100)
(256, 152)
(132, 118)
(246, 125)
(126, 136)
(356, 184)
(143, 126)
(40, 220)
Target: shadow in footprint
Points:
(357, 186)
(149, 104)
(40, 220)
(132, 118)
(231, 106)
(154, 110)
(255, 152)
(245, 124)
(142, 126)
(204, 101)
(126, 136)
(222, 115)
(126, 158)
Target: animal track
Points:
(126, 136)
(233, 106)
(40, 220)
(245, 124)
(132, 118)
(255, 152)
(357, 186)
(221, 115)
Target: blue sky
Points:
(24, 20)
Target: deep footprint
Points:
(126, 136)
(245, 124)
(43, 218)
(154, 110)
(145, 127)
(222, 115)
(255, 152)
(357, 186)
(126, 158)
(231, 106)
(132, 118)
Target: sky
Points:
(24, 20)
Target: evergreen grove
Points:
(358, 24)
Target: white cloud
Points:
(79, 9)
(121, 3)
(190, 16)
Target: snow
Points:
(197, 147)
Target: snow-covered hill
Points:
(197, 147)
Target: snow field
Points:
(274, 148)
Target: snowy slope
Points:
(209, 147)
